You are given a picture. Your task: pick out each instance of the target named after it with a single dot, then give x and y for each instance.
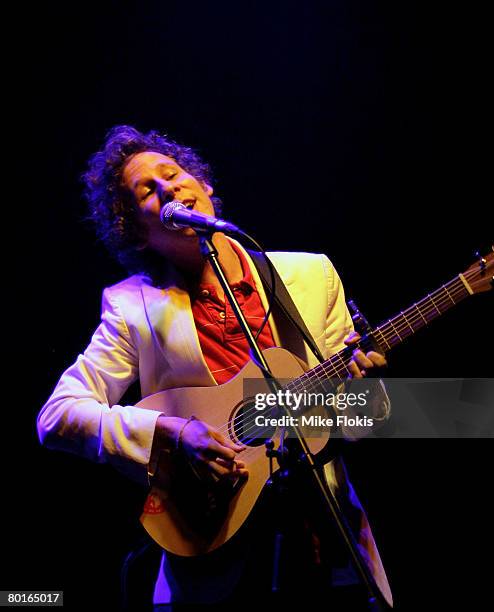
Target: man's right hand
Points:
(204, 446)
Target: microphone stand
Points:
(302, 454)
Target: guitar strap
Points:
(284, 301)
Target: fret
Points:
(407, 322)
(338, 357)
(382, 337)
(431, 299)
(418, 310)
(387, 335)
(333, 370)
(317, 374)
(395, 330)
(394, 337)
(449, 294)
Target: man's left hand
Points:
(361, 362)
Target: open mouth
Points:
(188, 203)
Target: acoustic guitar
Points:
(190, 515)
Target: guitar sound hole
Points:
(244, 428)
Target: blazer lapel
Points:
(169, 314)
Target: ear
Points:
(207, 188)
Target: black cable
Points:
(272, 288)
(272, 296)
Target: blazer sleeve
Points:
(338, 320)
(83, 416)
(338, 325)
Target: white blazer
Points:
(148, 333)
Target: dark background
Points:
(357, 129)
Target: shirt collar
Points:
(247, 283)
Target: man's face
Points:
(154, 178)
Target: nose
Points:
(166, 191)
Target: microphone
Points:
(174, 216)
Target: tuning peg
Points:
(482, 260)
(360, 322)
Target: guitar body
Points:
(191, 516)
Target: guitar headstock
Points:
(480, 275)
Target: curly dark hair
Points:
(111, 205)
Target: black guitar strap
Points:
(284, 301)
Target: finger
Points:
(362, 360)
(225, 441)
(354, 370)
(221, 471)
(352, 338)
(237, 474)
(377, 359)
(216, 449)
(240, 471)
(217, 469)
(231, 465)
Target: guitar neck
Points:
(394, 331)
(390, 333)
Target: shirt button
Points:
(205, 293)
(222, 314)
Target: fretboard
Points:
(388, 334)
(406, 323)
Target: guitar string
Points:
(339, 370)
(455, 288)
(313, 383)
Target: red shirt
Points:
(223, 343)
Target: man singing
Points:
(169, 326)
